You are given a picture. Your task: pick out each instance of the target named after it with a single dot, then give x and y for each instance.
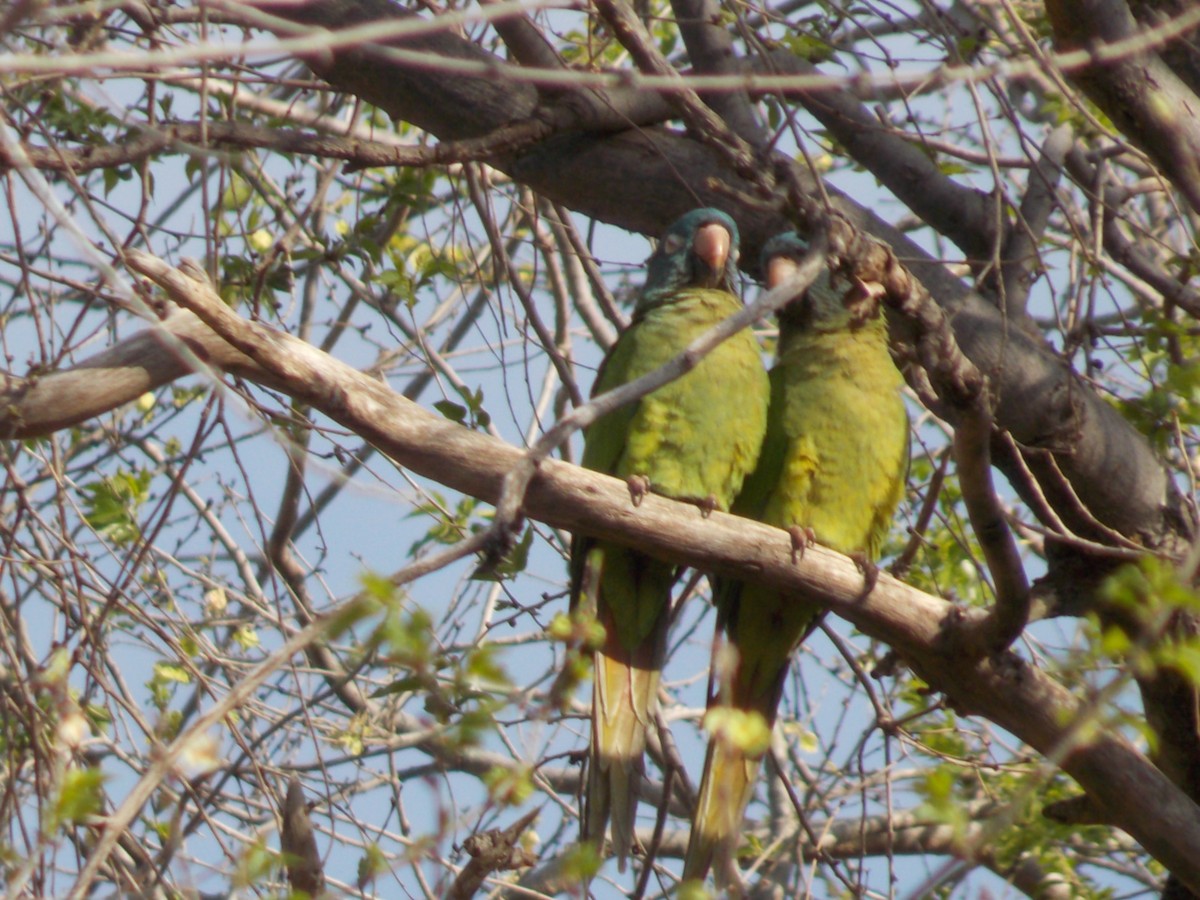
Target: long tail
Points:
(762, 629)
(632, 601)
(725, 790)
(623, 704)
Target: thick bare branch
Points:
(45, 403)
(1021, 247)
(1147, 101)
(709, 44)
(964, 215)
(1010, 614)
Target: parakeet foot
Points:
(862, 300)
(870, 571)
(639, 487)
(802, 538)
(889, 666)
(707, 505)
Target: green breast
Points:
(698, 436)
(845, 431)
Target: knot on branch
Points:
(957, 380)
(497, 850)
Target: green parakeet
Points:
(693, 439)
(832, 467)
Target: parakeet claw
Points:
(803, 537)
(869, 570)
(639, 487)
(888, 666)
(707, 505)
(862, 300)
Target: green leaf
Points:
(371, 865)
(363, 607)
(508, 786)
(581, 862)
(451, 410)
(167, 671)
(483, 667)
(808, 47)
(513, 563)
(80, 796)
(257, 862)
(112, 503)
(401, 685)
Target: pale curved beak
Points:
(711, 244)
(779, 270)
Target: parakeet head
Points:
(820, 307)
(699, 251)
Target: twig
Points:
(1009, 614)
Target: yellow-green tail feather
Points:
(623, 703)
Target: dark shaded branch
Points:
(709, 45)
(964, 215)
(525, 41)
(1020, 256)
(702, 122)
(1009, 614)
(1145, 100)
(1181, 54)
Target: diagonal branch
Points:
(1147, 101)
(710, 48)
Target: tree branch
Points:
(899, 834)
(710, 48)
(966, 216)
(1147, 101)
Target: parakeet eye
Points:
(672, 244)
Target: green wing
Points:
(764, 480)
(607, 436)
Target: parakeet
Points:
(693, 439)
(832, 468)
